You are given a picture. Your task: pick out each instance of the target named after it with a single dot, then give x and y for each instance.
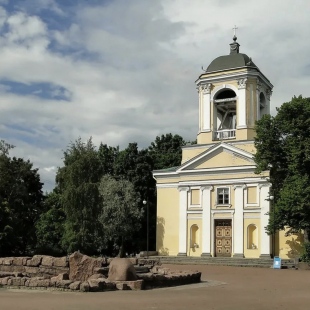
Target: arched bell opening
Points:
(225, 114)
(262, 105)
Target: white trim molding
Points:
(223, 205)
(251, 205)
(206, 220)
(238, 220)
(264, 203)
(183, 220)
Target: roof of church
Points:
(233, 60)
(171, 169)
(230, 61)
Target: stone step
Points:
(225, 261)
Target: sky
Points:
(124, 71)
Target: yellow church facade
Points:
(214, 204)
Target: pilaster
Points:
(264, 203)
(182, 220)
(258, 91)
(241, 111)
(238, 221)
(206, 220)
(206, 112)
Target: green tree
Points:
(107, 156)
(5, 148)
(120, 214)
(283, 148)
(50, 226)
(77, 182)
(166, 151)
(21, 201)
(136, 166)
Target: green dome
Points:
(230, 61)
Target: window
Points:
(223, 196)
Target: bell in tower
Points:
(233, 94)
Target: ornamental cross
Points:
(234, 29)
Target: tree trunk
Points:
(306, 235)
(121, 252)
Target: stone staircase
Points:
(225, 261)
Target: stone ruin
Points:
(79, 272)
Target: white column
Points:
(182, 220)
(206, 123)
(238, 221)
(206, 220)
(251, 107)
(268, 94)
(241, 111)
(200, 98)
(264, 204)
(258, 91)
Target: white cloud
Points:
(50, 169)
(127, 69)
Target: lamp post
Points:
(147, 228)
(271, 198)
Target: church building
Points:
(214, 205)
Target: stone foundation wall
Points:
(83, 273)
(36, 266)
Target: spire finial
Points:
(234, 29)
(234, 47)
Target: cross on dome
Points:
(234, 29)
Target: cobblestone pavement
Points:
(222, 288)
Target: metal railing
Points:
(225, 134)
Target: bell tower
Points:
(233, 94)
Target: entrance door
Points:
(223, 238)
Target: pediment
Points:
(219, 156)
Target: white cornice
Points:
(194, 212)
(233, 169)
(224, 77)
(208, 145)
(167, 185)
(231, 211)
(171, 174)
(198, 146)
(213, 182)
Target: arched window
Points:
(252, 237)
(225, 94)
(194, 241)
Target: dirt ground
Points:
(222, 288)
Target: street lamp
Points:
(147, 228)
(271, 198)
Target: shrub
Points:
(305, 257)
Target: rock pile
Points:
(83, 273)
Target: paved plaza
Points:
(222, 288)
